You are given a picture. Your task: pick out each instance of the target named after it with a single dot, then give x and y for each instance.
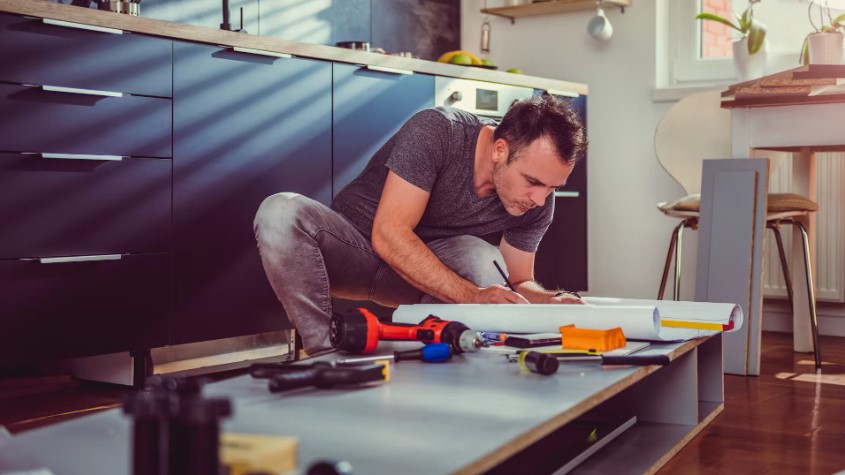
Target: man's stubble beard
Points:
(513, 208)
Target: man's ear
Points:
(500, 151)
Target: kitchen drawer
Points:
(60, 207)
(83, 308)
(33, 52)
(35, 120)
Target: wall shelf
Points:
(551, 7)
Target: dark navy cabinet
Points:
(61, 309)
(85, 190)
(34, 52)
(369, 107)
(70, 207)
(561, 260)
(245, 127)
(36, 120)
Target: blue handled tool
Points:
(432, 353)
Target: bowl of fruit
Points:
(465, 58)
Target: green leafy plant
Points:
(755, 31)
(835, 25)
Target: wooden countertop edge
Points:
(180, 31)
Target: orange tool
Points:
(591, 340)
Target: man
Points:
(409, 228)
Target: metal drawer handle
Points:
(82, 26)
(557, 92)
(567, 194)
(59, 260)
(86, 92)
(82, 156)
(385, 69)
(260, 52)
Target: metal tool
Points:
(433, 353)
(606, 360)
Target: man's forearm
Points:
(405, 252)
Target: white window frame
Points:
(685, 68)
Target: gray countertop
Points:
(466, 415)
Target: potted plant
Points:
(824, 45)
(749, 50)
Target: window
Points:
(699, 52)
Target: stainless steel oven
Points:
(481, 98)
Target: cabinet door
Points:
(83, 308)
(75, 207)
(245, 127)
(33, 52)
(369, 107)
(37, 120)
(562, 256)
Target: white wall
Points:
(628, 236)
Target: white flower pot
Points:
(825, 48)
(749, 66)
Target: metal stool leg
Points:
(805, 241)
(675, 244)
(676, 292)
(672, 241)
(775, 227)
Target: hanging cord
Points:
(485, 32)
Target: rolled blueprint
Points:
(639, 319)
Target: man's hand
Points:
(567, 298)
(498, 294)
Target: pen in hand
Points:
(504, 276)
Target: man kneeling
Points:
(414, 226)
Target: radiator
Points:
(830, 230)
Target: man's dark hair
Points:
(543, 116)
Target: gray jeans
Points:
(311, 253)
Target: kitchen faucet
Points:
(226, 25)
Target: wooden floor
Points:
(786, 421)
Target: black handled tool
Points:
(607, 360)
(321, 374)
(537, 362)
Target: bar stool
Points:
(696, 128)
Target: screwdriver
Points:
(537, 362)
(432, 353)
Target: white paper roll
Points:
(637, 322)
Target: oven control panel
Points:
(481, 98)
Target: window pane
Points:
(786, 23)
(715, 37)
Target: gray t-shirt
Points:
(435, 151)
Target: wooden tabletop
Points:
(812, 84)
